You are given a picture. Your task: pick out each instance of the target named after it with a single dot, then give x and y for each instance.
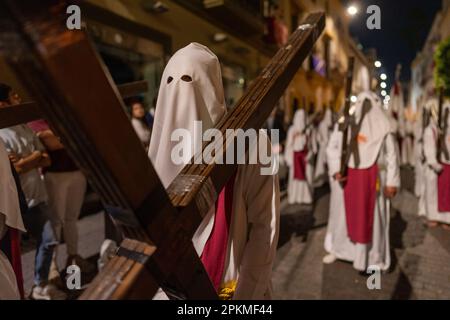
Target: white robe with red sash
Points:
(237, 239)
(298, 158)
(377, 147)
(10, 220)
(437, 176)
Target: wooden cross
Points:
(75, 93)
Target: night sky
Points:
(405, 24)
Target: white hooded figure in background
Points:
(297, 156)
(10, 217)
(323, 136)
(364, 240)
(191, 90)
(437, 171)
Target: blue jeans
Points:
(37, 223)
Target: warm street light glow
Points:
(377, 64)
(383, 85)
(352, 10)
(383, 76)
(383, 93)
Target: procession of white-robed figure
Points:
(378, 142)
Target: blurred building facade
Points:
(422, 84)
(136, 38)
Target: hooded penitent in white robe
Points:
(323, 135)
(10, 217)
(407, 152)
(376, 146)
(299, 141)
(253, 232)
(435, 168)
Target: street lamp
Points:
(378, 64)
(352, 10)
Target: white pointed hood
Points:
(180, 103)
(327, 120)
(375, 127)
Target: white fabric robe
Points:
(254, 233)
(323, 136)
(337, 241)
(10, 216)
(299, 191)
(255, 223)
(386, 154)
(408, 144)
(431, 177)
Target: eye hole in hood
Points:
(186, 78)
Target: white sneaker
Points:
(47, 292)
(329, 258)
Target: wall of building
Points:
(422, 68)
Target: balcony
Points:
(243, 16)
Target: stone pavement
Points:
(420, 256)
(91, 236)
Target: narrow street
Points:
(420, 266)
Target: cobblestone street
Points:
(420, 256)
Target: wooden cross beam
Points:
(26, 112)
(345, 152)
(158, 226)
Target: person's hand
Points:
(390, 192)
(339, 177)
(13, 157)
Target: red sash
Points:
(360, 195)
(11, 247)
(216, 248)
(300, 159)
(444, 189)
